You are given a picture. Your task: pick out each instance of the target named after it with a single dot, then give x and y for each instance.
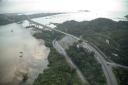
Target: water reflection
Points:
(21, 55)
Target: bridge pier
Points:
(35, 25)
(30, 24)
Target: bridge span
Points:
(40, 26)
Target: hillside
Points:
(110, 36)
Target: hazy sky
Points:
(62, 5)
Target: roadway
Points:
(117, 65)
(62, 51)
(111, 79)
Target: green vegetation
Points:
(10, 18)
(98, 31)
(58, 71)
(126, 16)
(122, 76)
(110, 36)
(48, 36)
(87, 63)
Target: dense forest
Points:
(83, 59)
(121, 75)
(110, 36)
(87, 63)
(58, 73)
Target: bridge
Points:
(40, 26)
(36, 25)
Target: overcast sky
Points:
(62, 5)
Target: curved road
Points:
(111, 79)
(61, 50)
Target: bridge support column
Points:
(30, 23)
(37, 26)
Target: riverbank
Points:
(59, 72)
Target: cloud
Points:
(63, 5)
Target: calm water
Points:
(20, 54)
(77, 16)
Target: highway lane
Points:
(117, 65)
(111, 79)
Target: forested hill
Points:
(99, 23)
(99, 31)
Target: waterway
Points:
(21, 55)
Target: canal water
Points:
(21, 55)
